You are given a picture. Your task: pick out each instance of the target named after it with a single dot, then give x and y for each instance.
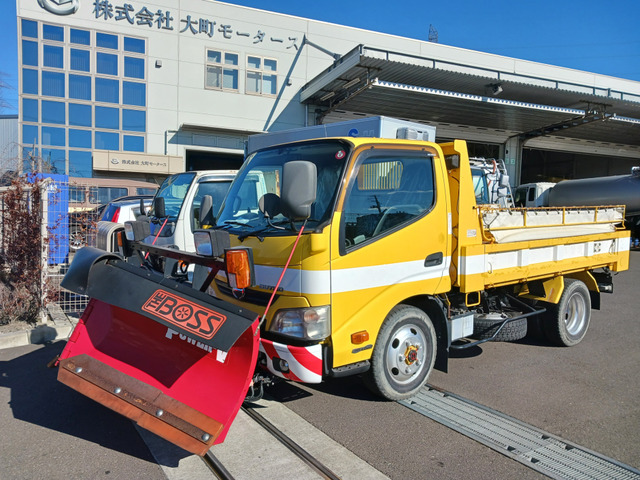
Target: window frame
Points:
(222, 66)
(261, 72)
(426, 154)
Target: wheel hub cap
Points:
(411, 355)
(405, 356)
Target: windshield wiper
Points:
(258, 231)
(230, 223)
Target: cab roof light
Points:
(239, 267)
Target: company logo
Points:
(115, 161)
(187, 315)
(60, 7)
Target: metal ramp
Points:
(541, 451)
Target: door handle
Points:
(433, 260)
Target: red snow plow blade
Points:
(176, 361)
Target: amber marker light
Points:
(239, 268)
(359, 337)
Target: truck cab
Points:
(533, 194)
(175, 213)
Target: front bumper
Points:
(301, 364)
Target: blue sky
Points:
(592, 35)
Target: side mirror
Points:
(269, 205)
(158, 207)
(504, 181)
(298, 192)
(143, 212)
(206, 215)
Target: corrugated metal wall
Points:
(8, 142)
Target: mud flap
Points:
(176, 361)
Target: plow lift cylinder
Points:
(173, 359)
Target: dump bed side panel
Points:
(492, 264)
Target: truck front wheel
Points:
(404, 354)
(566, 323)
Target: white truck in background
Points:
(184, 202)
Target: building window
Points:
(106, 40)
(29, 28)
(107, 117)
(262, 77)
(107, 90)
(80, 60)
(80, 37)
(54, 158)
(80, 87)
(222, 70)
(52, 56)
(29, 134)
(53, 84)
(53, 136)
(51, 32)
(107, 141)
(53, 112)
(80, 115)
(79, 138)
(58, 94)
(133, 120)
(29, 53)
(135, 45)
(106, 63)
(134, 94)
(29, 81)
(29, 110)
(80, 164)
(133, 143)
(134, 67)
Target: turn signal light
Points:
(239, 266)
(359, 337)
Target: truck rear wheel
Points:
(404, 354)
(566, 323)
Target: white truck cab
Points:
(533, 194)
(176, 207)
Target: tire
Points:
(404, 354)
(566, 323)
(484, 326)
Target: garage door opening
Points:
(202, 160)
(550, 166)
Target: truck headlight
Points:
(313, 323)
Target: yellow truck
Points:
(361, 256)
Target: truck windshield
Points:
(262, 174)
(173, 190)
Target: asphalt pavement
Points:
(587, 394)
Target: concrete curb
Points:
(57, 327)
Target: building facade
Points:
(142, 90)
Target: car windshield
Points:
(173, 190)
(262, 174)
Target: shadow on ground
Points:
(38, 398)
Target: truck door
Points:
(393, 243)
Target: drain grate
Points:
(548, 454)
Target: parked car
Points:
(126, 208)
(82, 225)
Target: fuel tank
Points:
(613, 190)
